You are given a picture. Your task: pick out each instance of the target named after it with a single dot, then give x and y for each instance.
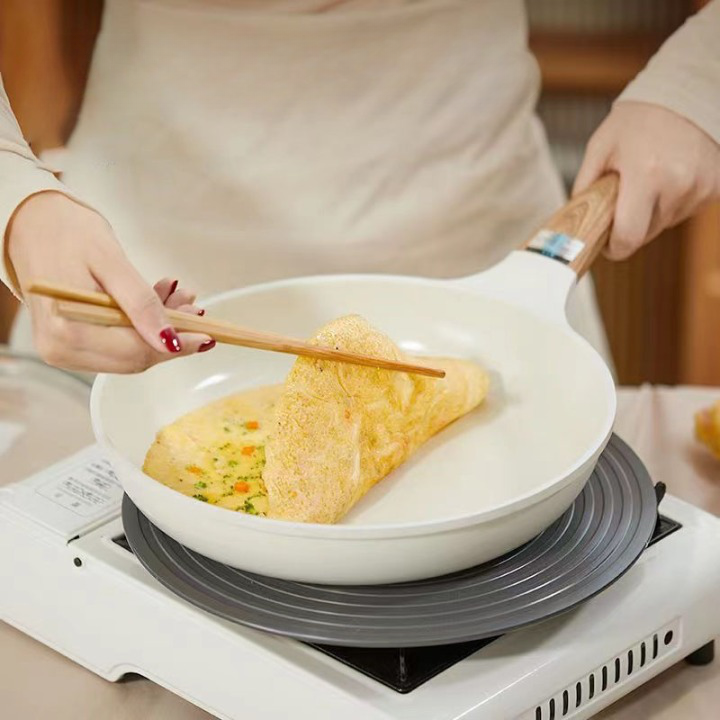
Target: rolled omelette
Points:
(308, 450)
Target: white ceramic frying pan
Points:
(481, 488)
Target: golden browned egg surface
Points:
(309, 449)
(217, 454)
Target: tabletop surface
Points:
(36, 682)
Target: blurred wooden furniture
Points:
(700, 337)
(661, 308)
(598, 63)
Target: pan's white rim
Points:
(213, 513)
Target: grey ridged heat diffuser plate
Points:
(595, 542)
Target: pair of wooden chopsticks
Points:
(100, 309)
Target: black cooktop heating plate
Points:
(594, 543)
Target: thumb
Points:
(594, 163)
(138, 301)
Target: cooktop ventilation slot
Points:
(570, 701)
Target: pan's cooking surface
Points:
(550, 407)
(589, 547)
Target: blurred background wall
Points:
(661, 308)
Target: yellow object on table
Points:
(707, 427)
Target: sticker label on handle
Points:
(557, 246)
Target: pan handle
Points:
(559, 253)
(577, 232)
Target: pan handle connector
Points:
(577, 232)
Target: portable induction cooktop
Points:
(624, 585)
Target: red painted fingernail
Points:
(201, 312)
(170, 340)
(207, 345)
(173, 287)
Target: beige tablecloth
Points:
(36, 682)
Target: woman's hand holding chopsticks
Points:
(54, 237)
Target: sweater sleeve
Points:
(684, 75)
(21, 176)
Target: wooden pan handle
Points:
(577, 232)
